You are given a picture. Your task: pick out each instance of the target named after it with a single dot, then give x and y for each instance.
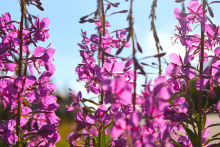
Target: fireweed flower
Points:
(182, 20)
(100, 26)
(113, 67)
(155, 100)
(40, 32)
(84, 120)
(196, 11)
(101, 115)
(117, 43)
(91, 73)
(178, 70)
(213, 33)
(209, 74)
(7, 132)
(76, 100)
(117, 91)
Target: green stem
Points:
(19, 73)
(135, 76)
(103, 24)
(200, 91)
(100, 135)
(134, 51)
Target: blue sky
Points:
(65, 31)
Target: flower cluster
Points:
(145, 118)
(27, 97)
(115, 79)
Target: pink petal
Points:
(174, 58)
(38, 51)
(128, 63)
(127, 44)
(165, 93)
(106, 38)
(119, 66)
(159, 83)
(217, 51)
(218, 105)
(201, 83)
(79, 116)
(123, 33)
(135, 118)
(205, 57)
(188, 58)
(193, 5)
(37, 22)
(45, 22)
(11, 66)
(178, 13)
(108, 64)
(116, 132)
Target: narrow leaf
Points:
(179, 1)
(108, 54)
(108, 7)
(216, 135)
(210, 12)
(160, 55)
(40, 8)
(119, 50)
(94, 140)
(139, 47)
(191, 135)
(214, 2)
(213, 125)
(123, 11)
(175, 142)
(88, 141)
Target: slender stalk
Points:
(19, 73)
(134, 51)
(103, 24)
(200, 91)
(156, 38)
(135, 76)
(100, 135)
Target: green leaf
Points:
(209, 140)
(214, 2)
(88, 100)
(26, 139)
(203, 120)
(179, 1)
(191, 135)
(22, 132)
(88, 141)
(204, 115)
(176, 143)
(216, 135)
(95, 141)
(109, 124)
(89, 110)
(213, 125)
